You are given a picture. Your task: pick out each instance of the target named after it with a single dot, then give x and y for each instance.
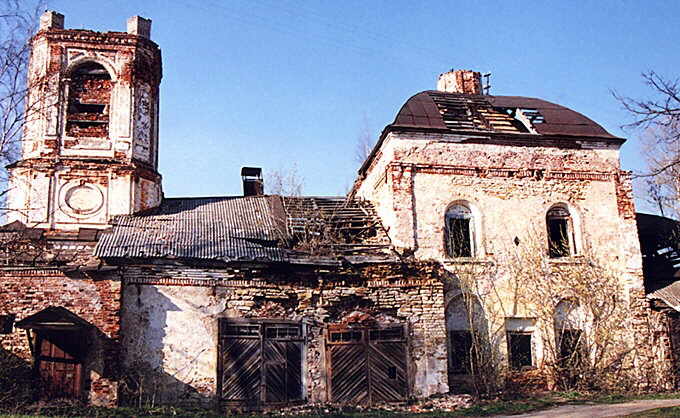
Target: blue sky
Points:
(271, 83)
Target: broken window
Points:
(459, 231)
(87, 114)
(569, 336)
(519, 349)
(560, 240)
(466, 326)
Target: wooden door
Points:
(348, 369)
(59, 366)
(368, 365)
(260, 362)
(241, 378)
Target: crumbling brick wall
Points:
(26, 291)
(510, 187)
(170, 319)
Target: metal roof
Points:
(252, 228)
(212, 228)
(463, 112)
(670, 295)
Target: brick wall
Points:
(170, 319)
(24, 292)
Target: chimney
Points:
(460, 81)
(137, 25)
(253, 185)
(51, 20)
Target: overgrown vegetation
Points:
(18, 386)
(570, 313)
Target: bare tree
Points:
(659, 120)
(365, 143)
(17, 24)
(285, 181)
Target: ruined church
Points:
(484, 235)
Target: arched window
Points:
(560, 232)
(463, 316)
(89, 96)
(459, 231)
(569, 336)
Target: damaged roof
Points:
(214, 228)
(669, 295)
(252, 228)
(457, 112)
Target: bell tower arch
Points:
(89, 149)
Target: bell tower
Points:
(89, 149)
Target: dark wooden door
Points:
(367, 365)
(59, 366)
(260, 362)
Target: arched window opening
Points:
(569, 336)
(465, 322)
(459, 237)
(560, 232)
(88, 103)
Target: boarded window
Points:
(459, 231)
(519, 350)
(260, 362)
(559, 232)
(88, 101)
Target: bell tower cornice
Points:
(93, 128)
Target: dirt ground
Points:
(600, 410)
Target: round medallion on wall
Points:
(81, 199)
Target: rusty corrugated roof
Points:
(252, 228)
(211, 228)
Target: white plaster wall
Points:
(172, 330)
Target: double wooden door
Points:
(367, 365)
(260, 362)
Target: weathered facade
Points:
(89, 149)
(518, 172)
(484, 233)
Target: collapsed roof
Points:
(526, 119)
(457, 112)
(253, 228)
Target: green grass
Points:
(484, 408)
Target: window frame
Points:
(513, 363)
(566, 222)
(69, 114)
(465, 251)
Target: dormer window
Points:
(87, 114)
(459, 231)
(560, 232)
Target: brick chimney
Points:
(51, 20)
(137, 25)
(253, 185)
(460, 81)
